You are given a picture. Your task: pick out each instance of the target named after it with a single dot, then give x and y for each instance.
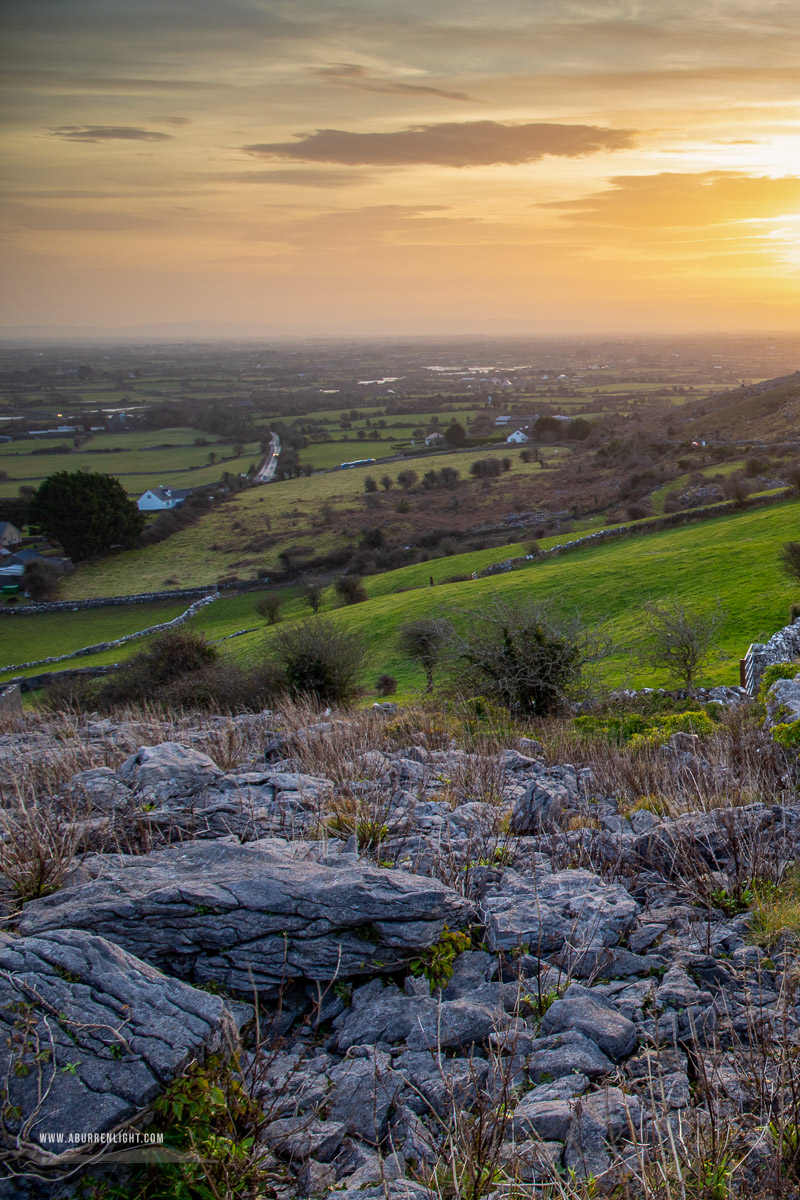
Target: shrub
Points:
(40, 579)
(385, 685)
(268, 606)
(320, 660)
(789, 558)
(225, 686)
(525, 656)
(775, 671)
(351, 589)
(142, 678)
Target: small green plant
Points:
(774, 672)
(436, 963)
(787, 734)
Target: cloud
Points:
(361, 78)
(108, 133)
(670, 200)
(300, 177)
(451, 144)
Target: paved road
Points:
(267, 469)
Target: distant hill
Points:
(767, 411)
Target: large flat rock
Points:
(89, 1036)
(249, 918)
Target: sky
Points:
(382, 167)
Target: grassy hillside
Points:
(245, 535)
(733, 559)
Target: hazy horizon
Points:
(366, 169)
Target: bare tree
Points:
(424, 641)
(268, 606)
(678, 639)
(312, 594)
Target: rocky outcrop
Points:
(254, 920)
(90, 1035)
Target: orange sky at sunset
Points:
(377, 168)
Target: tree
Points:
(424, 641)
(737, 489)
(679, 640)
(387, 482)
(268, 606)
(40, 579)
(370, 485)
(87, 513)
(526, 656)
(319, 659)
(312, 594)
(789, 557)
(455, 434)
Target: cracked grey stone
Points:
(113, 1031)
(582, 1011)
(568, 908)
(213, 911)
(564, 1054)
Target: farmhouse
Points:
(518, 437)
(9, 534)
(161, 497)
(433, 439)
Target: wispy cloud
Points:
(684, 199)
(451, 144)
(362, 79)
(108, 133)
(299, 177)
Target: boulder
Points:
(596, 1018)
(249, 919)
(89, 1035)
(568, 908)
(783, 702)
(169, 770)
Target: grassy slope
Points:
(290, 506)
(732, 559)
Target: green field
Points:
(140, 460)
(207, 552)
(29, 638)
(732, 559)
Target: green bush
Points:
(319, 659)
(774, 672)
(787, 735)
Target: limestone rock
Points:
(99, 1032)
(248, 919)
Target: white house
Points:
(433, 439)
(518, 437)
(158, 498)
